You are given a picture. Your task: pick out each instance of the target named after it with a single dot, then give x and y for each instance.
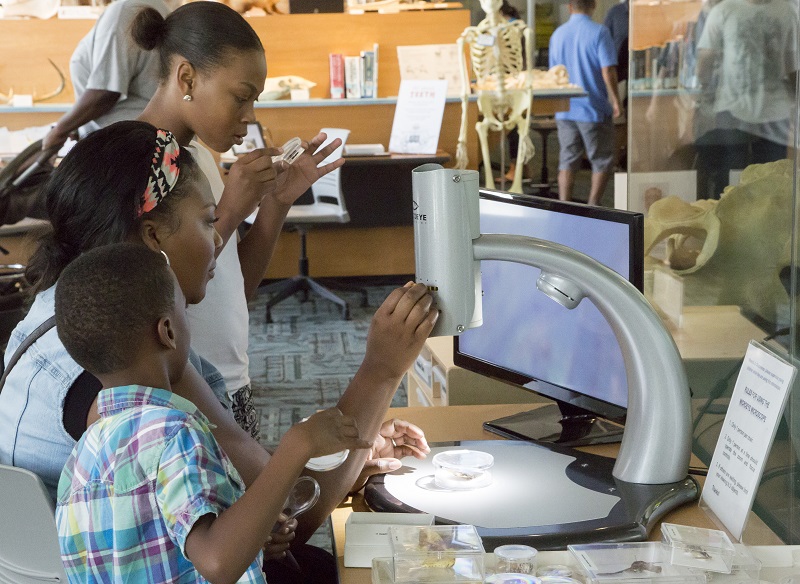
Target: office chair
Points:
(328, 207)
(29, 550)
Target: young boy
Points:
(148, 495)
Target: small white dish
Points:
(328, 462)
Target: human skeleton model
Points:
(504, 85)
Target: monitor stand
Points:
(559, 423)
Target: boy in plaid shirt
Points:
(148, 495)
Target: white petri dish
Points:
(329, 462)
(462, 470)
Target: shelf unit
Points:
(434, 380)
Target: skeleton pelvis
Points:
(730, 251)
(501, 109)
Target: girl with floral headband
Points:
(127, 182)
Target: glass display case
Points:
(712, 162)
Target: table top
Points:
(714, 333)
(448, 423)
(441, 157)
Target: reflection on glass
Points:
(713, 95)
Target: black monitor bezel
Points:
(635, 222)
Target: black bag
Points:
(21, 183)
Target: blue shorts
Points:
(595, 138)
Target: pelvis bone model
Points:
(504, 85)
(730, 251)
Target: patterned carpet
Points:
(305, 359)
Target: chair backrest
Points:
(328, 189)
(29, 549)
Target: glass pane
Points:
(712, 110)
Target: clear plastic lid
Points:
(291, 151)
(710, 550)
(462, 469)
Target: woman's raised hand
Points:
(295, 179)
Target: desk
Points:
(464, 423)
(377, 189)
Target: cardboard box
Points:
(367, 535)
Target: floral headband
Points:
(164, 172)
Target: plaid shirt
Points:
(134, 486)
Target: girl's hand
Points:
(398, 330)
(296, 178)
(279, 540)
(329, 432)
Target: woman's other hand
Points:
(396, 439)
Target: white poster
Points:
(418, 117)
(432, 62)
(757, 403)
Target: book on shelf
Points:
(353, 77)
(368, 74)
(336, 64)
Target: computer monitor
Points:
(570, 356)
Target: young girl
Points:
(93, 199)
(212, 70)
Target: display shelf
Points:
(434, 380)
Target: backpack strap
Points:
(29, 340)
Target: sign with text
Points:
(418, 116)
(755, 409)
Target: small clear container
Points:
(436, 554)
(555, 571)
(462, 470)
(709, 550)
(382, 571)
(517, 559)
(632, 563)
(745, 569)
(291, 151)
(512, 578)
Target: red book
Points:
(336, 62)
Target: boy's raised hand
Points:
(399, 329)
(330, 431)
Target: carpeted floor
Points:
(305, 359)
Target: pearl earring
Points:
(187, 97)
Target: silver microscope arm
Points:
(656, 444)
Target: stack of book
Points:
(670, 66)
(354, 77)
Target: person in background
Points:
(618, 22)
(511, 14)
(112, 77)
(747, 63)
(148, 495)
(586, 49)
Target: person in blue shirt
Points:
(587, 50)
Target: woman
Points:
(94, 198)
(212, 70)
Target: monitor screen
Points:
(571, 356)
